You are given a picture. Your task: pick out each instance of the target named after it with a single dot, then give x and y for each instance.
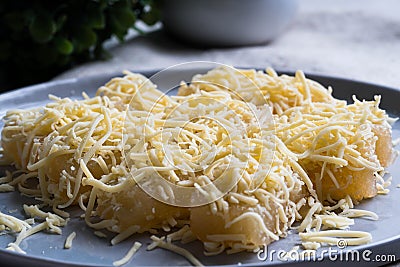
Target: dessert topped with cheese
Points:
(251, 153)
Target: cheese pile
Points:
(249, 152)
(343, 148)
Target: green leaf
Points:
(125, 16)
(96, 19)
(60, 21)
(145, 2)
(85, 38)
(117, 29)
(151, 17)
(63, 45)
(42, 28)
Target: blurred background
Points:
(43, 39)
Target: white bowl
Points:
(227, 22)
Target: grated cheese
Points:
(332, 237)
(6, 188)
(68, 241)
(136, 246)
(311, 245)
(100, 234)
(255, 147)
(159, 242)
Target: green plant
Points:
(40, 38)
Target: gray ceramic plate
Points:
(89, 250)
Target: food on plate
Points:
(341, 147)
(252, 153)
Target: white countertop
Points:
(358, 39)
